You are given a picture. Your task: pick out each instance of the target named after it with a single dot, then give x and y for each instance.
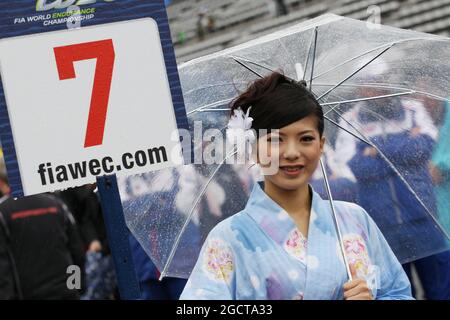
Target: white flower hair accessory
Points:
(239, 126)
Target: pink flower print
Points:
(296, 245)
(354, 245)
(294, 239)
(218, 260)
(357, 254)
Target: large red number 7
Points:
(103, 51)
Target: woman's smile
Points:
(293, 170)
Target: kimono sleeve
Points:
(213, 277)
(391, 281)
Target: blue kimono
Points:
(259, 253)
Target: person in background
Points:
(85, 207)
(181, 37)
(39, 240)
(341, 181)
(101, 283)
(281, 8)
(202, 23)
(440, 170)
(406, 134)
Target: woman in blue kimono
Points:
(284, 244)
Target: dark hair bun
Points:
(278, 101)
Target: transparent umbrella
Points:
(382, 90)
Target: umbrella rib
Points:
(253, 62)
(204, 110)
(368, 98)
(348, 131)
(372, 50)
(337, 103)
(341, 127)
(247, 67)
(383, 86)
(353, 73)
(189, 216)
(217, 103)
(316, 31)
(335, 220)
(262, 66)
(401, 178)
(212, 86)
(351, 59)
(308, 55)
(333, 211)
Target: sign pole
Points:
(118, 237)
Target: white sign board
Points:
(88, 102)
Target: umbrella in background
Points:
(375, 86)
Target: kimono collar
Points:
(272, 218)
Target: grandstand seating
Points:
(237, 21)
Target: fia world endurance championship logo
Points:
(44, 5)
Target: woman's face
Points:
(299, 147)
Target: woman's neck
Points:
(297, 203)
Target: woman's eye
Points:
(307, 138)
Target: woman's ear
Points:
(322, 144)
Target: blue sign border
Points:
(105, 12)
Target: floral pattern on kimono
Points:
(357, 256)
(218, 260)
(296, 245)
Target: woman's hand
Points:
(95, 246)
(357, 289)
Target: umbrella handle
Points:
(336, 222)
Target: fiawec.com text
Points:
(50, 174)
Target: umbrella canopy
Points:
(382, 90)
